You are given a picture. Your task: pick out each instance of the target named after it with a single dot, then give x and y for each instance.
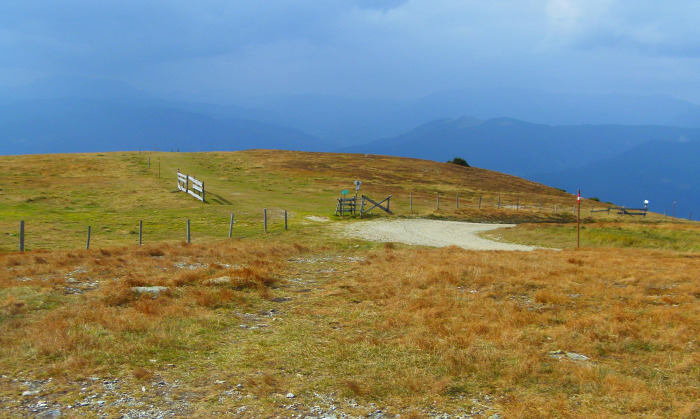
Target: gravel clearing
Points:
(430, 233)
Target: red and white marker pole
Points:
(578, 221)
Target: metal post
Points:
(87, 246)
(438, 201)
(674, 210)
(21, 236)
(499, 202)
(203, 198)
(540, 209)
(285, 219)
(690, 215)
(410, 202)
(140, 232)
(665, 210)
(230, 227)
(479, 201)
(149, 163)
(189, 237)
(517, 204)
(265, 218)
(457, 200)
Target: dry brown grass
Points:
(401, 327)
(61, 308)
(488, 320)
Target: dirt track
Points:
(430, 233)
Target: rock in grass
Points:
(50, 414)
(577, 357)
(559, 354)
(155, 291)
(30, 393)
(290, 395)
(218, 281)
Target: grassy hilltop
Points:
(60, 195)
(308, 323)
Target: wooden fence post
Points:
(140, 232)
(457, 200)
(438, 201)
(479, 201)
(665, 211)
(690, 215)
(21, 236)
(517, 203)
(410, 203)
(189, 237)
(265, 218)
(499, 202)
(555, 207)
(230, 227)
(87, 246)
(285, 219)
(540, 208)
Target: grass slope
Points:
(346, 326)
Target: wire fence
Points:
(38, 233)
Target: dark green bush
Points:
(459, 161)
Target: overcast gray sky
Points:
(363, 48)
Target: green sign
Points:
(344, 192)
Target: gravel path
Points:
(430, 233)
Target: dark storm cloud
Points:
(382, 47)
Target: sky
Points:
(228, 50)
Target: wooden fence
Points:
(197, 189)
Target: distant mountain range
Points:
(69, 125)
(619, 148)
(353, 121)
